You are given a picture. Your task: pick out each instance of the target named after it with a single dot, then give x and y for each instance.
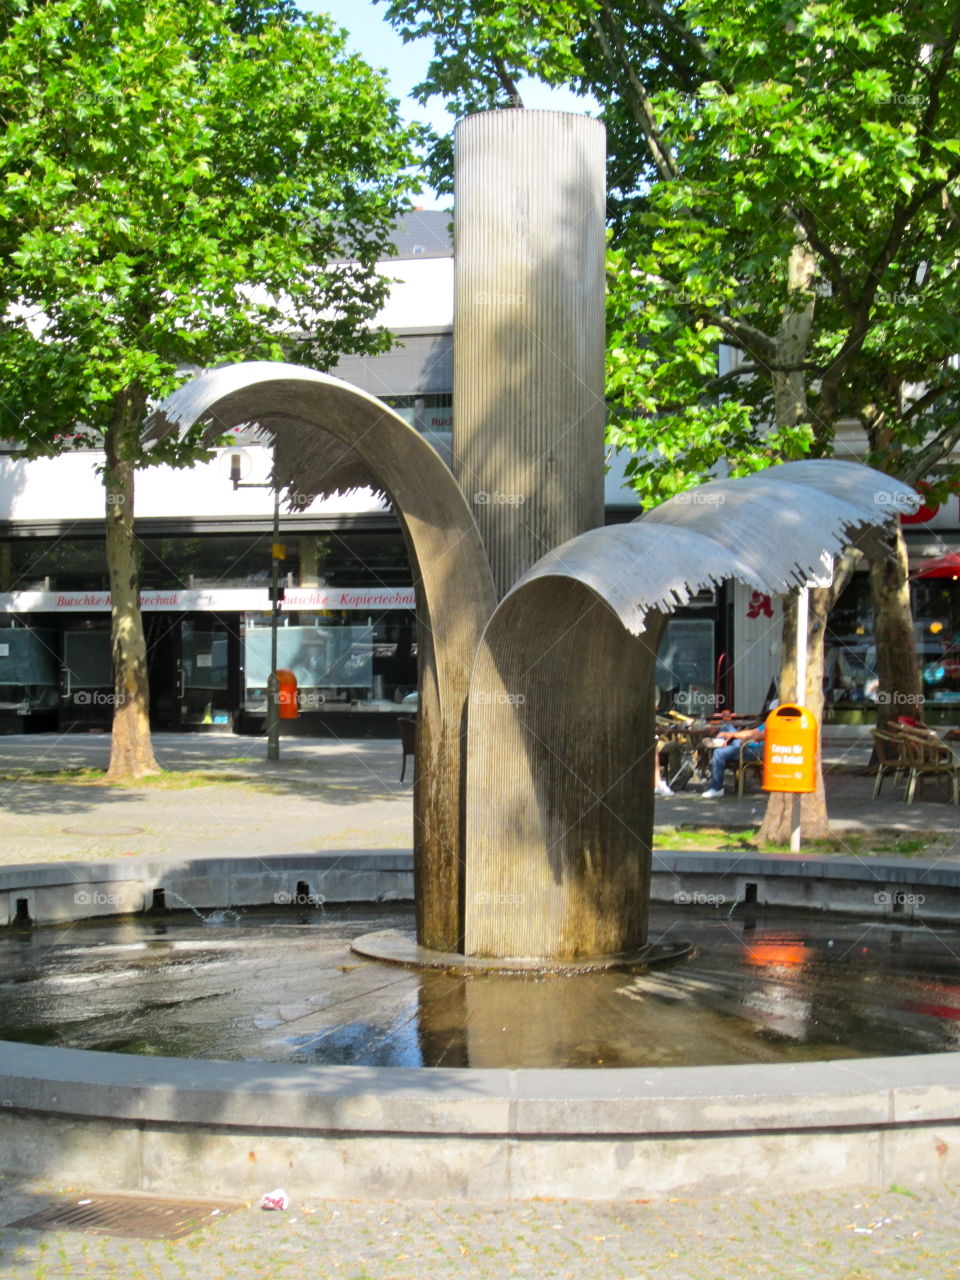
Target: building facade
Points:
(347, 626)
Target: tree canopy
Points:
(175, 181)
(783, 180)
(181, 185)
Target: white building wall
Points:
(757, 623)
(70, 488)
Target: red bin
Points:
(287, 694)
(791, 749)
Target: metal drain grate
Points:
(140, 1217)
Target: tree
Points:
(175, 181)
(783, 181)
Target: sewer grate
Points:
(140, 1217)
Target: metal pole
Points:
(803, 614)
(273, 691)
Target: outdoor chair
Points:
(892, 757)
(408, 740)
(742, 766)
(930, 758)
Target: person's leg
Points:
(723, 758)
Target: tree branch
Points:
(679, 29)
(507, 82)
(617, 58)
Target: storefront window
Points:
(685, 667)
(28, 668)
(937, 627)
(339, 662)
(850, 655)
(224, 561)
(850, 668)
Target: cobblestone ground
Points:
(850, 1236)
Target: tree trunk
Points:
(788, 382)
(777, 822)
(898, 670)
(131, 750)
(814, 820)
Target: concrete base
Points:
(394, 946)
(231, 1129)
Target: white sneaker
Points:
(712, 794)
(663, 790)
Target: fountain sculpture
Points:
(538, 628)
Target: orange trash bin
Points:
(287, 694)
(790, 749)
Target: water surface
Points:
(286, 988)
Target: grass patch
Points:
(166, 780)
(861, 844)
(684, 837)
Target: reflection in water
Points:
(287, 988)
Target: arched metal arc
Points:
(454, 587)
(784, 520)
(561, 698)
(636, 567)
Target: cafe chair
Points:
(742, 766)
(408, 740)
(930, 758)
(892, 757)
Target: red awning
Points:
(945, 566)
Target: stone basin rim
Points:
(615, 1132)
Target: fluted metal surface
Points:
(528, 406)
(454, 591)
(783, 521)
(560, 712)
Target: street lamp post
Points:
(276, 595)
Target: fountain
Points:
(538, 630)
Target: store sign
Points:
(349, 598)
(237, 600)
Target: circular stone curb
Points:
(185, 1126)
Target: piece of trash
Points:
(84, 1202)
(275, 1199)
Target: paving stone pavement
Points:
(327, 795)
(852, 1236)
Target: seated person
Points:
(727, 756)
(660, 788)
